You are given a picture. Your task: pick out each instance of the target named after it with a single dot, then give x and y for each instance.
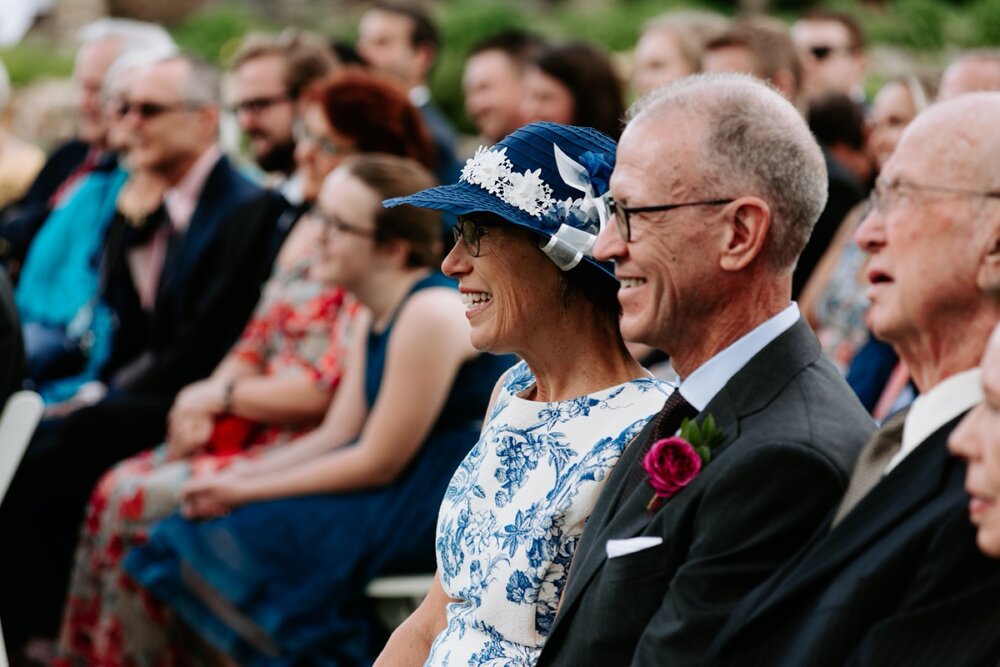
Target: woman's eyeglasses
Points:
(470, 233)
(325, 144)
(332, 221)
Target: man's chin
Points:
(280, 159)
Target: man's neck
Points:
(723, 327)
(934, 356)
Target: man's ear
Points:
(989, 268)
(748, 223)
(425, 55)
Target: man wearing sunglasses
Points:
(181, 280)
(716, 187)
(832, 47)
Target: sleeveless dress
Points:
(515, 509)
(290, 574)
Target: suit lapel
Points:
(749, 390)
(201, 229)
(908, 487)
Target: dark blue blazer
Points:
(899, 581)
(208, 287)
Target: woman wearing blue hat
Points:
(529, 210)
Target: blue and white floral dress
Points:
(515, 509)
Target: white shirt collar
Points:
(420, 96)
(929, 412)
(707, 380)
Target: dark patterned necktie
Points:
(868, 471)
(664, 424)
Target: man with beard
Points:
(269, 74)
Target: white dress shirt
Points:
(707, 380)
(929, 412)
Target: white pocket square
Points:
(616, 548)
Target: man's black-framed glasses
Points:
(623, 213)
(469, 232)
(333, 221)
(885, 195)
(257, 105)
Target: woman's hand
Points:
(205, 397)
(187, 433)
(214, 495)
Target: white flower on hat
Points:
(488, 169)
(528, 192)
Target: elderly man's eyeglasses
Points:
(470, 233)
(325, 144)
(623, 214)
(887, 195)
(331, 221)
(257, 105)
(147, 110)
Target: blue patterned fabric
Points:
(515, 509)
(296, 569)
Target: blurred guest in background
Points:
(671, 46)
(275, 384)
(832, 47)
(976, 71)
(575, 84)
(181, 278)
(399, 39)
(103, 41)
(493, 82)
(315, 520)
(269, 74)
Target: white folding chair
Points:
(395, 598)
(17, 424)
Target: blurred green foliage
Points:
(32, 60)
(919, 26)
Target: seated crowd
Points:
(710, 381)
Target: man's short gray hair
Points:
(756, 143)
(128, 33)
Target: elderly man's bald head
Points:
(973, 72)
(755, 141)
(929, 235)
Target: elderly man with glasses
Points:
(717, 185)
(895, 578)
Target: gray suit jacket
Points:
(792, 430)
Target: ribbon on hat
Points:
(577, 177)
(569, 244)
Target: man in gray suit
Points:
(717, 186)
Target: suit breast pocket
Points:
(642, 566)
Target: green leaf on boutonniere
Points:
(702, 437)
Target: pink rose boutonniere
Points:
(672, 463)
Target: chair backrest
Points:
(17, 424)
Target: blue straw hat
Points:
(546, 177)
